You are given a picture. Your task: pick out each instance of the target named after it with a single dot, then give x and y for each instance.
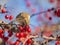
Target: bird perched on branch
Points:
(22, 19)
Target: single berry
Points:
(20, 28)
(3, 10)
(29, 30)
(29, 40)
(11, 17)
(58, 13)
(22, 34)
(28, 4)
(18, 35)
(50, 18)
(49, 10)
(6, 16)
(51, 1)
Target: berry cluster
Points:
(3, 11)
(9, 17)
(21, 35)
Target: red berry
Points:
(1, 31)
(11, 43)
(29, 30)
(22, 34)
(20, 28)
(11, 17)
(51, 1)
(33, 10)
(57, 43)
(5, 38)
(29, 41)
(50, 18)
(18, 35)
(57, 13)
(6, 16)
(28, 4)
(25, 35)
(3, 11)
(1, 35)
(17, 43)
(26, 26)
(49, 10)
(25, 44)
(10, 33)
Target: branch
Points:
(49, 38)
